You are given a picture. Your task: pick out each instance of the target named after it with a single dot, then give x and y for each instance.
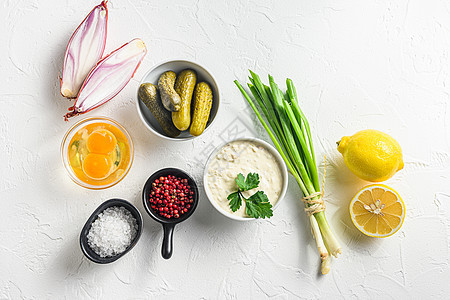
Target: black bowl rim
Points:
(88, 252)
(163, 172)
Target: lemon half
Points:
(377, 211)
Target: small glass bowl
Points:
(65, 149)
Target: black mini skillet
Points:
(168, 224)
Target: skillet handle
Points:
(167, 245)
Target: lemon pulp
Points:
(377, 211)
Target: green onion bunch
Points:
(289, 130)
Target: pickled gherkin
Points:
(184, 86)
(202, 106)
(148, 94)
(169, 97)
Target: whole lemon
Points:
(371, 155)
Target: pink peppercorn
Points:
(170, 196)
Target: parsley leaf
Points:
(246, 184)
(261, 210)
(252, 181)
(258, 197)
(257, 205)
(235, 201)
(240, 181)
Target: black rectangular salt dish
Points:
(88, 252)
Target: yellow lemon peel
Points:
(371, 155)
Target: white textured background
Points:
(380, 64)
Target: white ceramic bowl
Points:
(177, 66)
(278, 158)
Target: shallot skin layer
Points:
(109, 77)
(85, 49)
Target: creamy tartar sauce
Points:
(243, 157)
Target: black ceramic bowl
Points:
(168, 224)
(88, 252)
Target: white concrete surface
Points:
(357, 64)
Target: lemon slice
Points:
(377, 211)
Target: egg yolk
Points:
(101, 141)
(97, 166)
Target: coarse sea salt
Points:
(112, 232)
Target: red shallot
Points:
(109, 77)
(84, 50)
